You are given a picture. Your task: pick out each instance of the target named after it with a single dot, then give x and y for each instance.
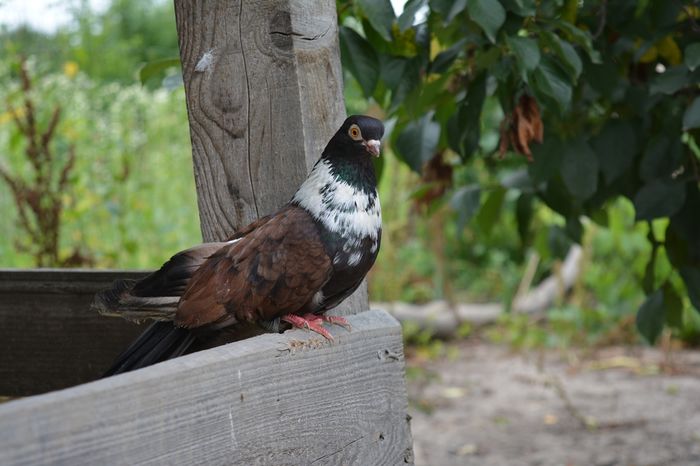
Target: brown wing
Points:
(250, 227)
(274, 269)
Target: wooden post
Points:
(264, 95)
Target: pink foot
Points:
(337, 320)
(314, 322)
(309, 321)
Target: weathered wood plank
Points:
(49, 337)
(273, 399)
(264, 95)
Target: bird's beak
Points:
(373, 146)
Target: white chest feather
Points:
(341, 207)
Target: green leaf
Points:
(526, 52)
(547, 159)
(465, 202)
(691, 117)
(521, 7)
(686, 224)
(558, 198)
(550, 81)
(464, 130)
(428, 96)
(580, 37)
(523, 216)
(605, 79)
(491, 210)
(659, 198)
(579, 169)
(417, 142)
(380, 45)
(675, 246)
(650, 272)
(661, 157)
(568, 57)
(409, 13)
(407, 81)
(448, 9)
(615, 146)
(445, 58)
(673, 306)
(691, 278)
(393, 70)
(380, 15)
(691, 57)
(488, 14)
(470, 114)
(670, 81)
(156, 68)
(360, 59)
(651, 316)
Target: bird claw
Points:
(314, 323)
(337, 320)
(308, 321)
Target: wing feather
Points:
(275, 269)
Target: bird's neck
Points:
(341, 195)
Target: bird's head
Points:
(360, 135)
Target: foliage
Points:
(131, 201)
(38, 197)
(613, 84)
(107, 46)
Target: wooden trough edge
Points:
(63, 281)
(290, 398)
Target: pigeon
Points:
(283, 269)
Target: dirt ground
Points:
(485, 405)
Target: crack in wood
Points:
(338, 450)
(302, 36)
(247, 83)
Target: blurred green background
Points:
(463, 216)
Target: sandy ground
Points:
(485, 406)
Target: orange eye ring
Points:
(354, 133)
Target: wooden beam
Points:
(264, 95)
(49, 337)
(292, 398)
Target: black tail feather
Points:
(110, 298)
(161, 341)
(156, 296)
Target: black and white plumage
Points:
(291, 266)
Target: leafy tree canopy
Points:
(610, 89)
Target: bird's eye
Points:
(354, 133)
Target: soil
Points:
(485, 405)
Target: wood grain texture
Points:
(264, 95)
(49, 337)
(273, 399)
